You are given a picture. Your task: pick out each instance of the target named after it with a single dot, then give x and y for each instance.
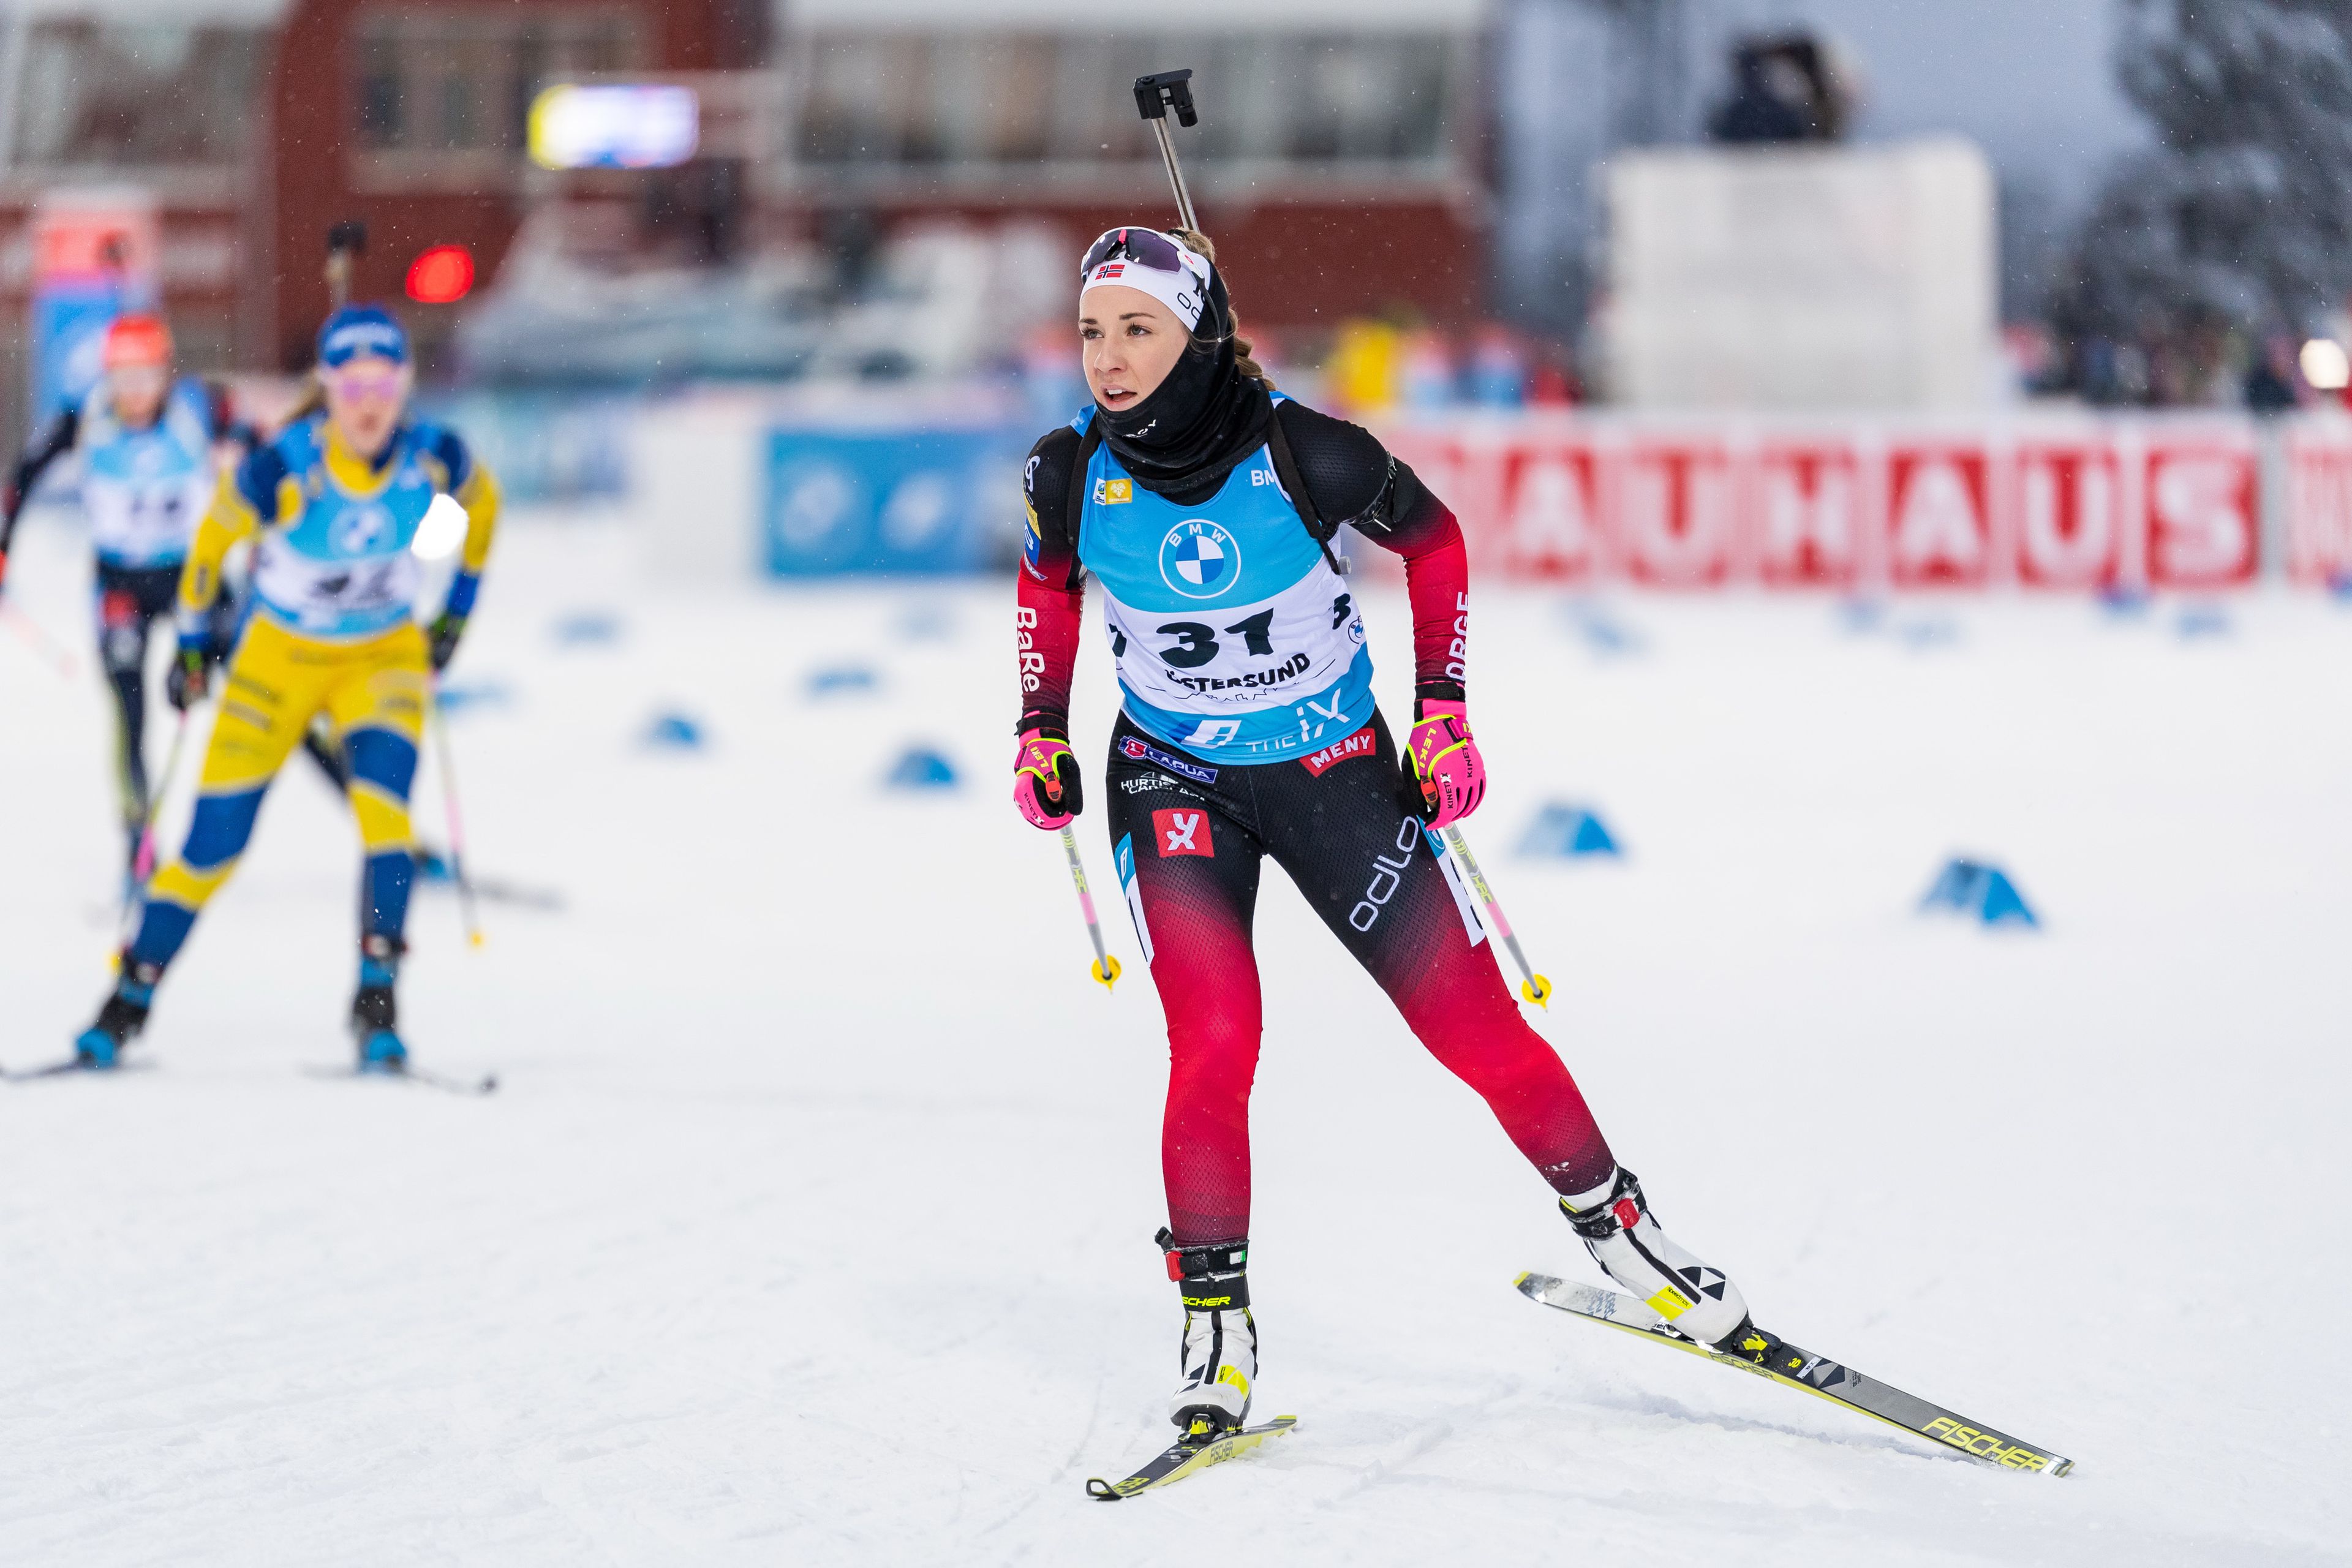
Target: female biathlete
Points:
(145, 443)
(336, 500)
(1203, 506)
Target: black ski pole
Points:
(346, 242)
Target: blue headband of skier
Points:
(357, 329)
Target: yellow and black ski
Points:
(1816, 1375)
(1187, 1456)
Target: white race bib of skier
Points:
(321, 594)
(1252, 655)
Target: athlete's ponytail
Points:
(312, 398)
(1202, 245)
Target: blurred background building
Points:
(1423, 205)
(1416, 164)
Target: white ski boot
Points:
(1219, 1350)
(1624, 1237)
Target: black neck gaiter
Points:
(1181, 442)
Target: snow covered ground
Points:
(813, 1222)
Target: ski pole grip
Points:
(1156, 94)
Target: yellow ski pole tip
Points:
(1537, 990)
(1107, 970)
(478, 939)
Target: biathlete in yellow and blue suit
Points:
(333, 503)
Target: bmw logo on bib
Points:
(364, 529)
(1199, 560)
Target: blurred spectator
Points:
(1498, 368)
(1785, 88)
(851, 240)
(1425, 373)
(1552, 386)
(2030, 357)
(1049, 369)
(1364, 370)
(2273, 385)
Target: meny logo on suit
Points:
(1362, 744)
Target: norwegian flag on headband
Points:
(1183, 285)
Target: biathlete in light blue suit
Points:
(144, 443)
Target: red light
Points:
(441, 276)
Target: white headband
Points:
(1185, 292)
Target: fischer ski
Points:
(1187, 1456)
(1813, 1374)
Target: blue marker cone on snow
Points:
(923, 768)
(1928, 632)
(674, 732)
(1561, 830)
(1861, 616)
(588, 628)
(1598, 629)
(2202, 621)
(928, 623)
(457, 699)
(842, 680)
(1985, 892)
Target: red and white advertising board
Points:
(2059, 503)
(2318, 463)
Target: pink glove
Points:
(1046, 779)
(1443, 764)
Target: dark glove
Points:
(186, 684)
(1046, 778)
(442, 637)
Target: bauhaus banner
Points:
(2041, 502)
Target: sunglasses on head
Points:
(1144, 247)
(369, 381)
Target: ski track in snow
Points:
(812, 1221)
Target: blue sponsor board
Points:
(543, 446)
(69, 329)
(893, 501)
